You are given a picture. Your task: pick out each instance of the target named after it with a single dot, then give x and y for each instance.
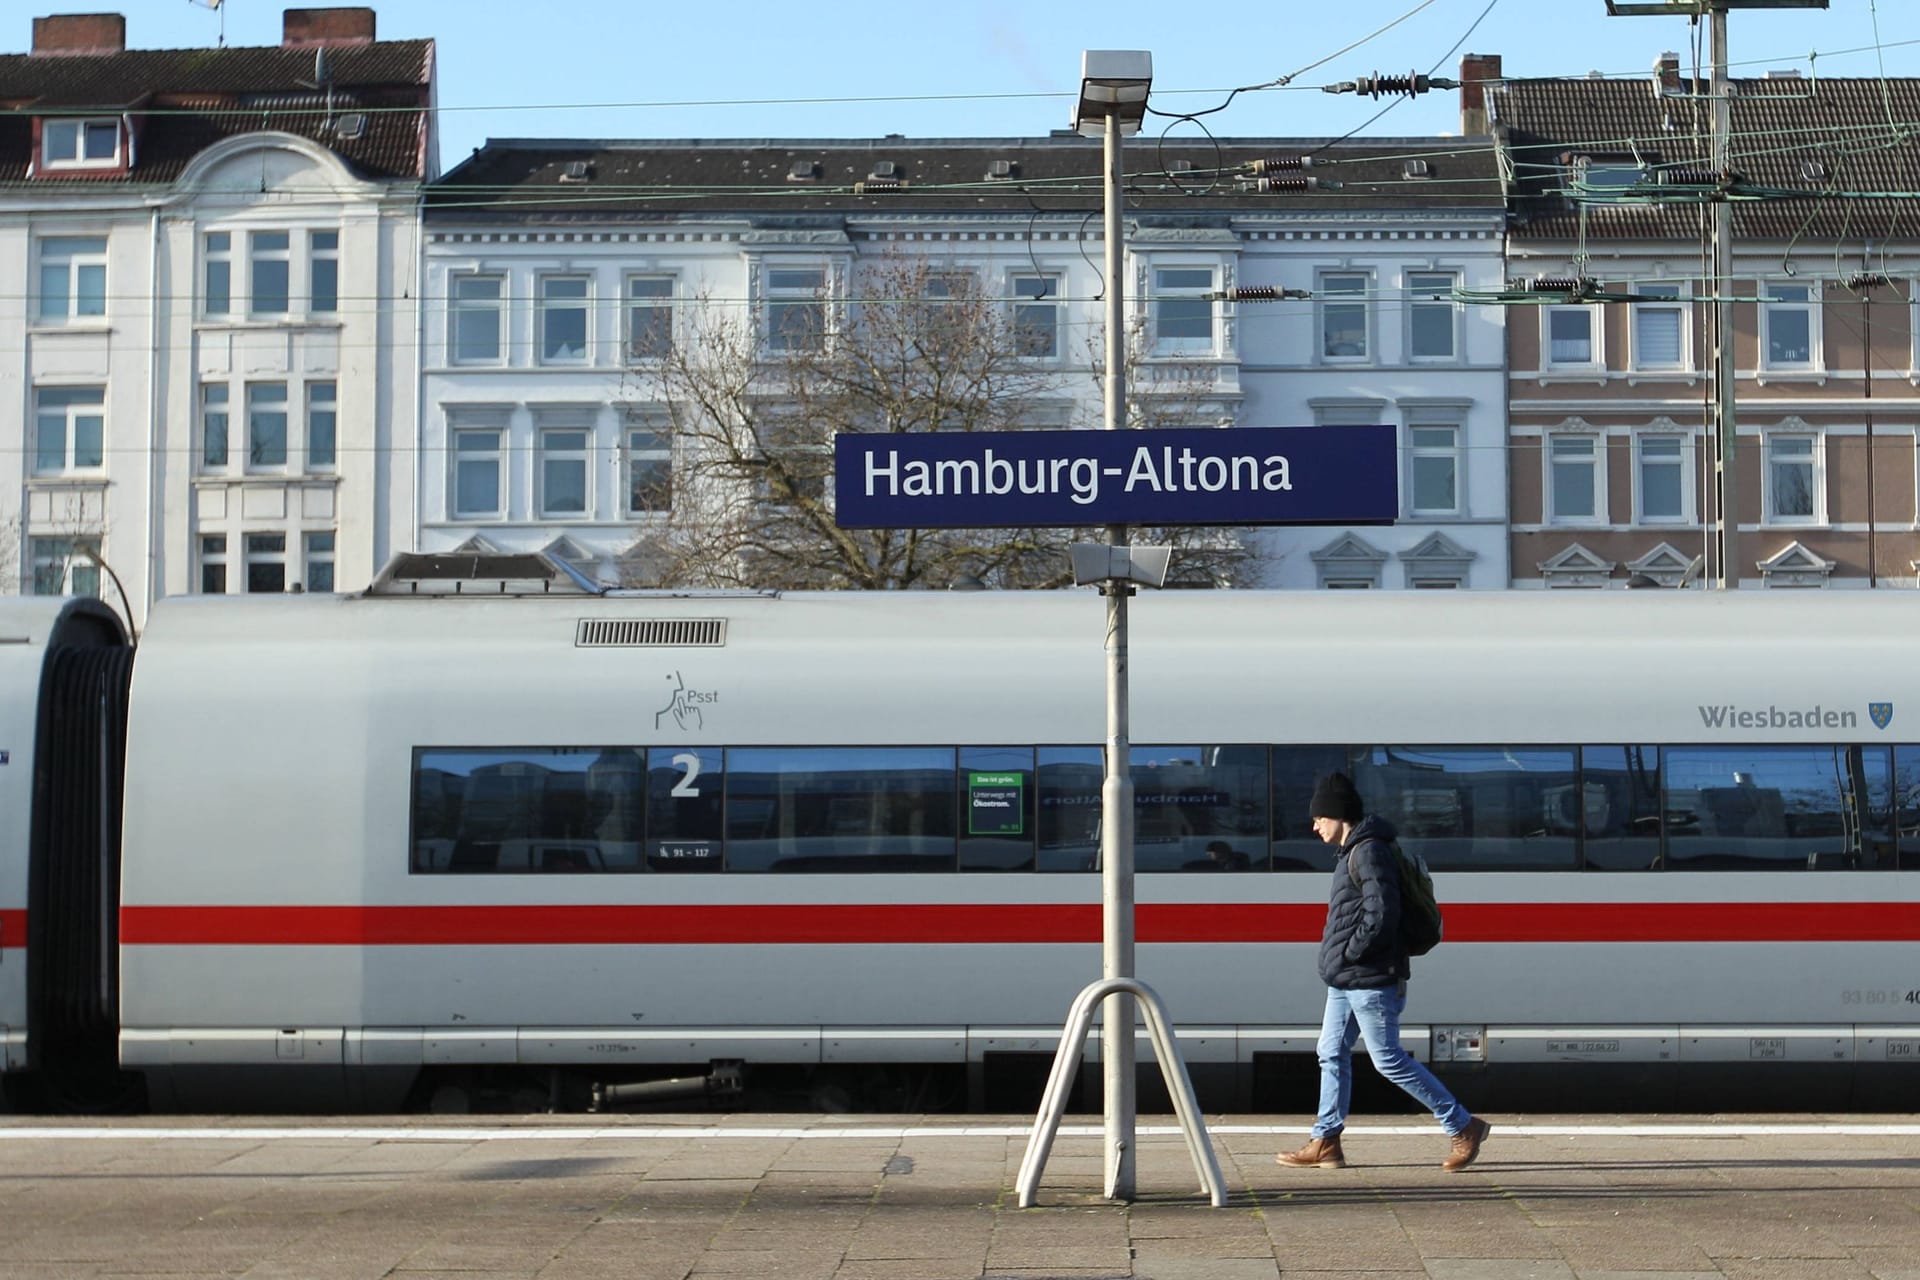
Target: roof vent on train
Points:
(635, 633)
(480, 573)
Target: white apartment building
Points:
(560, 271)
(217, 252)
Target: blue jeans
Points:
(1373, 1014)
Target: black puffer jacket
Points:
(1361, 946)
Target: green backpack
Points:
(1420, 922)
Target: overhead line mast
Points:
(1723, 551)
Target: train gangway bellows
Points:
(1066, 1062)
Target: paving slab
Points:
(932, 1198)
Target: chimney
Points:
(1666, 75)
(1476, 70)
(326, 28)
(68, 35)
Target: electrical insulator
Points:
(1288, 184)
(1280, 164)
(1379, 86)
(1690, 177)
(878, 184)
(1556, 284)
(1862, 280)
(1254, 293)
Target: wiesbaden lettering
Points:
(1732, 717)
(1159, 470)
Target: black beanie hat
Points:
(1334, 797)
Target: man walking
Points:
(1366, 970)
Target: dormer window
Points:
(80, 144)
(1601, 179)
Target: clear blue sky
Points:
(757, 68)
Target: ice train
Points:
(337, 852)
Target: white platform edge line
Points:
(349, 1133)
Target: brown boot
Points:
(1321, 1153)
(1466, 1145)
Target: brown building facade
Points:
(1609, 386)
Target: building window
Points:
(217, 273)
(80, 144)
(1036, 317)
(1662, 469)
(1573, 479)
(796, 309)
(69, 431)
(66, 566)
(477, 312)
(1571, 338)
(73, 278)
(1344, 327)
(213, 425)
(1182, 311)
(1432, 315)
(563, 319)
(1659, 328)
(476, 472)
(213, 564)
(266, 562)
(322, 420)
(266, 425)
(649, 317)
(1435, 469)
(649, 470)
(323, 272)
(269, 269)
(320, 562)
(1790, 327)
(1793, 479)
(564, 452)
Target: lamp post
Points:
(1113, 102)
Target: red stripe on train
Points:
(872, 924)
(13, 928)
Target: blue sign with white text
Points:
(1018, 479)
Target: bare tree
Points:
(757, 401)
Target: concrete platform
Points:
(931, 1198)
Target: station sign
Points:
(1180, 476)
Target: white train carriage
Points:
(378, 846)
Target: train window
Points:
(685, 799)
(997, 804)
(1295, 770)
(526, 810)
(1617, 808)
(1477, 808)
(1779, 808)
(1906, 790)
(840, 809)
(1199, 808)
(1070, 779)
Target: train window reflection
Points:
(1070, 779)
(536, 809)
(1295, 770)
(1619, 808)
(1199, 808)
(1906, 789)
(1779, 808)
(685, 799)
(997, 806)
(840, 809)
(1478, 808)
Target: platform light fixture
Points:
(1114, 84)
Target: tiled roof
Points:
(1815, 137)
(549, 181)
(188, 99)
